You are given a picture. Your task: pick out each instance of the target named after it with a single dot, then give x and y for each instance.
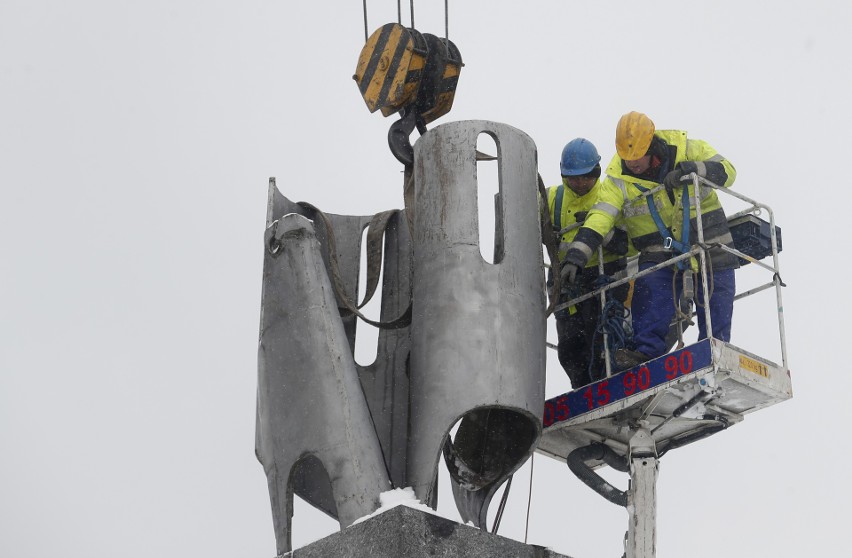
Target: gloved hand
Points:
(572, 263)
(580, 216)
(676, 177)
(689, 167)
(569, 273)
(672, 181)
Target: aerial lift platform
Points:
(679, 398)
(630, 419)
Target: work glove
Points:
(691, 166)
(573, 262)
(569, 273)
(672, 181)
(580, 216)
(676, 177)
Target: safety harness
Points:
(669, 242)
(557, 207)
(682, 306)
(613, 318)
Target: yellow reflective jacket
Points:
(622, 190)
(570, 215)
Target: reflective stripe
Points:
(608, 236)
(705, 192)
(570, 227)
(635, 210)
(656, 248)
(701, 168)
(607, 208)
(620, 183)
(716, 158)
(583, 247)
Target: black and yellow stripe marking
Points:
(443, 68)
(389, 68)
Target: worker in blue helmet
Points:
(650, 184)
(580, 348)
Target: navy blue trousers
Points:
(653, 307)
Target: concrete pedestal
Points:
(411, 533)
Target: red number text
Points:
(548, 413)
(629, 383)
(562, 410)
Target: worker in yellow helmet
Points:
(660, 226)
(580, 346)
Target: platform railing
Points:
(700, 249)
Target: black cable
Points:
(529, 500)
(447, 20)
(502, 507)
(366, 37)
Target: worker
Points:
(580, 348)
(646, 159)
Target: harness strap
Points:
(551, 243)
(557, 208)
(685, 226)
(669, 241)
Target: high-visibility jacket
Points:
(567, 213)
(624, 192)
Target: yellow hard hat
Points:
(633, 136)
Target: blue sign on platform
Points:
(624, 384)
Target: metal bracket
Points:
(642, 443)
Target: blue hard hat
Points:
(579, 156)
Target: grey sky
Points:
(136, 140)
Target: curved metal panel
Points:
(310, 401)
(478, 329)
(348, 231)
(385, 381)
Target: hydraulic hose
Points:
(577, 460)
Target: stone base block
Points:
(410, 533)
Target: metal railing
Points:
(700, 249)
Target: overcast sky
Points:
(136, 141)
